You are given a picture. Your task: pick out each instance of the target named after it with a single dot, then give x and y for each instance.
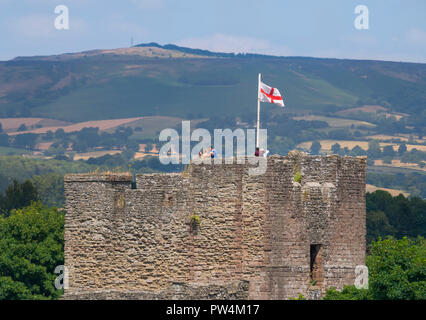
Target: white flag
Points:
(271, 95)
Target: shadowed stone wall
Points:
(259, 229)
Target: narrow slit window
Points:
(316, 264)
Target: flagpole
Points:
(258, 111)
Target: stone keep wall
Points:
(261, 229)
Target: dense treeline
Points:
(394, 216)
(17, 195)
(90, 138)
(31, 247)
(21, 168)
(414, 183)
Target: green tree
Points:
(31, 247)
(60, 134)
(406, 216)
(48, 136)
(50, 188)
(18, 195)
(402, 149)
(358, 151)
(373, 149)
(348, 293)
(335, 148)
(387, 160)
(377, 225)
(388, 151)
(397, 269)
(26, 140)
(4, 140)
(79, 146)
(315, 147)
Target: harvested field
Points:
(141, 155)
(366, 108)
(326, 144)
(393, 192)
(384, 137)
(43, 146)
(372, 109)
(94, 154)
(399, 164)
(409, 146)
(153, 124)
(396, 115)
(53, 123)
(414, 146)
(101, 124)
(336, 122)
(12, 124)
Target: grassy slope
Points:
(214, 88)
(13, 151)
(105, 88)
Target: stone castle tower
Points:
(259, 237)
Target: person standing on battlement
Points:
(204, 153)
(213, 152)
(261, 152)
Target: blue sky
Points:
(325, 28)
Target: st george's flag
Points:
(271, 95)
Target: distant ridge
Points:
(207, 53)
(143, 50)
(186, 50)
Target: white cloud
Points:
(416, 36)
(228, 43)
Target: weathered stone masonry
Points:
(261, 237)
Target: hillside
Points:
(172, 81)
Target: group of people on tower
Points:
(213, 153)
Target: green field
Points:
(4, 151)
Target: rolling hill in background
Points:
(154, 80)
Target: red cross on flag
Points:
(268, 94)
